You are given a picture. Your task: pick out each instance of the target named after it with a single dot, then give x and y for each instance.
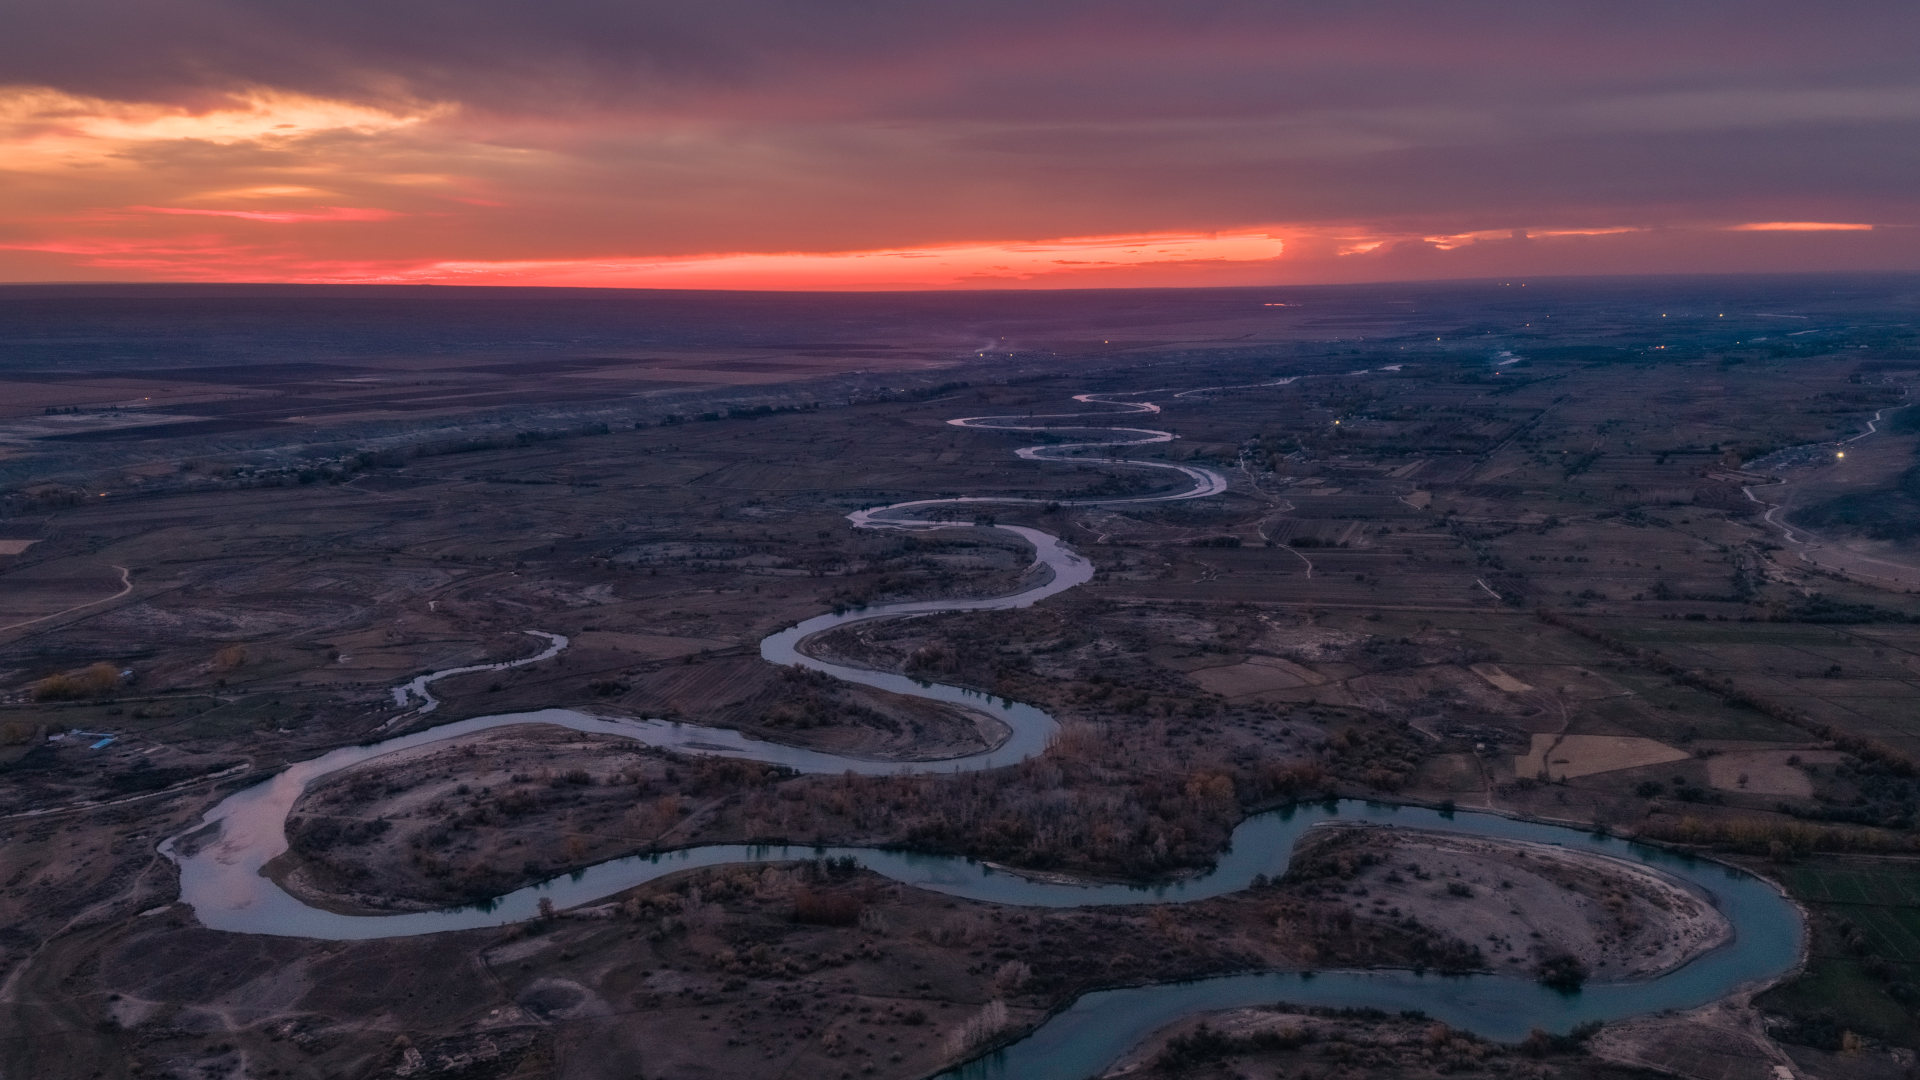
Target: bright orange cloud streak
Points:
(281, 217)
(1800, 226)
(1075, 258)
(1072, 262)
(42, 128)
(255, 251)
(1448, 243)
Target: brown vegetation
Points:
(92, 681)
(1289, 1040)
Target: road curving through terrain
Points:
(222, 860)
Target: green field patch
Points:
(1882, 899)
(1860, 662)
(1895, 692)
(1893, 933)
(1769, 656)
(1879, 883)
(1660, 709)
(1839, 988)
(1894, 714)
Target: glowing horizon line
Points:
(1246, 255)
(939, 265)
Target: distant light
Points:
(1840, 454)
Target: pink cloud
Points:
(280, 217)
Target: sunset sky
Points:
(976, 143)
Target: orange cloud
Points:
(142, 244)
(1068, 260)
(1449, 242)
(42, 128)
(282, 217)
(1615, 230)
(1799, 226)
(1150, 259)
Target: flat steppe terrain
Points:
(1515, 568)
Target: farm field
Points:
(1866, 948)
(1882, 900)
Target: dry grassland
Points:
(1768, 772)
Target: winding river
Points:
(221, 861)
